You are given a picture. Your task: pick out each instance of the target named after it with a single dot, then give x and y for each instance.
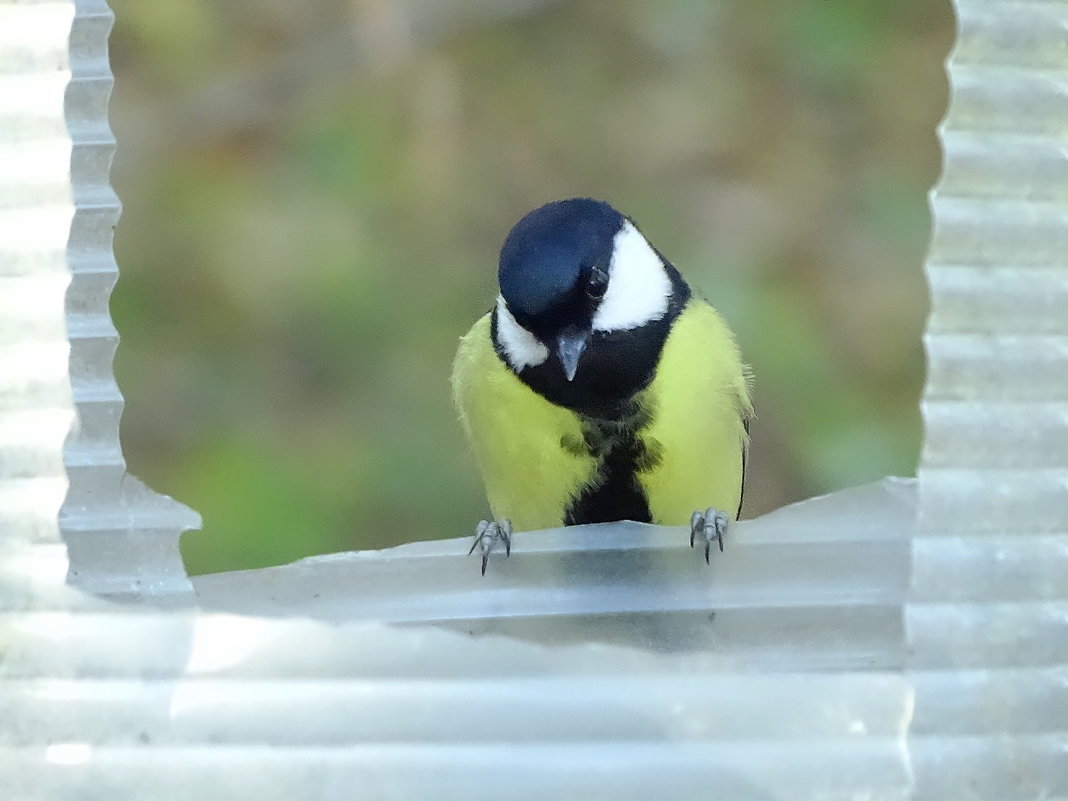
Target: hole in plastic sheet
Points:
(282, 312)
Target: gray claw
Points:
(710, 524)
(488, 534)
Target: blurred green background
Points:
(315, 195)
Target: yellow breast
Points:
(516, 437)
(526, 450)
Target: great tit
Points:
(599, 387)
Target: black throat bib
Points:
(606, 395)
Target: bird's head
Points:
(569, 271)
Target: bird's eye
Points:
(598, 284)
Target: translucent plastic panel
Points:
(818, 585)
(988, 612)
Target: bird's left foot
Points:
(708, 525)
(488, 534)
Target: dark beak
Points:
(569, 347)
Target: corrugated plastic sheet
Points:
(602, 664)
(988, 612)
(122, 537)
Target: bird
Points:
(600, 387)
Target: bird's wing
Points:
(745, 462)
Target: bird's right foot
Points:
(487, 536)
(709, 526)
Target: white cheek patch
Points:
(520, 347)
(638, 286)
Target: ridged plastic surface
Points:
(680, 682)
(122, 537)
(988, 611)
(36, 207)
(815, 586)
(301, 709)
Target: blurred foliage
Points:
(314, 202)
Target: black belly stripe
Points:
(616, 369)
(616, 493)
